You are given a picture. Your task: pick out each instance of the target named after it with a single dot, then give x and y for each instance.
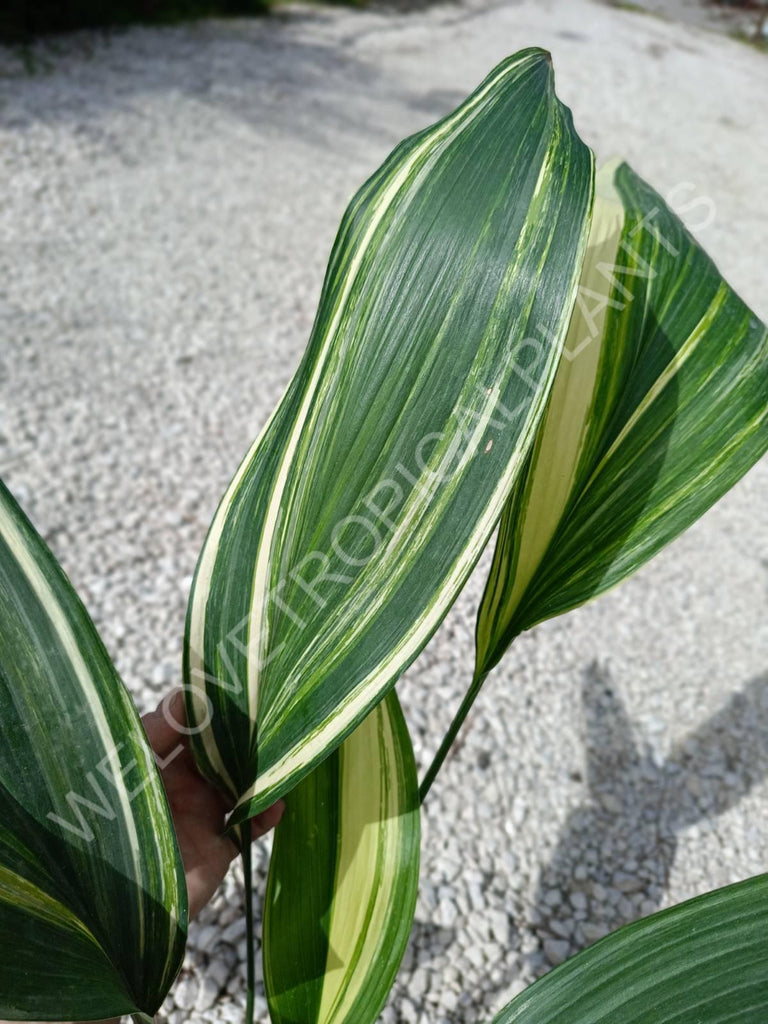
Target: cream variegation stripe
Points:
(26, 896)
(360, 612)
(558, 544)
(671, 370)
(564, 428)
(357, 818)
(28, 564)
(201, 589)
(369, 690)
(368, 850)
(259, 621)
(371, 687)
(515, 260)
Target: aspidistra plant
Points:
(487, 348)
(439, 332)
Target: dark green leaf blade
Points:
(659, 406)
(357, 516)
(343, 879)
(701, 962)
(93, 902)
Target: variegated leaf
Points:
(93, 904)
(357, 516)
(660, 404)
(343, 879)
(701, 962)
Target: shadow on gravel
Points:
(287, 74)
(616, 851)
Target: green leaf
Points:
(659, 406)
(356, 518)
(93, 904)
(343, 879)
(701, 962)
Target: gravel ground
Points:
(169, 199)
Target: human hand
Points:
(197, 808)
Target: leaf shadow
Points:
(284, 75)
(615, 853)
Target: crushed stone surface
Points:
(169, 200)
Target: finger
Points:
(267, 820)
(164, 726)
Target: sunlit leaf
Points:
(356, 518)
(93, 904)
(343, 879)
(701, 962)
(660, 404)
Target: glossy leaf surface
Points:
(701, 962)
(93, 902)
(659, 406)
(343, 879)
(355, 520)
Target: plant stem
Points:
(245, 853)
(450, 736)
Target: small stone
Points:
(219, 970)
(578, 900)
(476, 896)
(556, 950)
(625, 882)
(162, 674)
(446, 914)
(519, 811)
(419, 983)
(593, 931)
(475, 956)
(610, 803)
(205, 938)
(234, 932)
(185, 993)
(599, 893)
(626, 908)
(228, 915)
(408, 1012)
(498, 923)
(513, 989)
(493, 953)
(553, 897)
(562, 928)
(208, 994)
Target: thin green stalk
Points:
(450, 736)
(245, 853)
